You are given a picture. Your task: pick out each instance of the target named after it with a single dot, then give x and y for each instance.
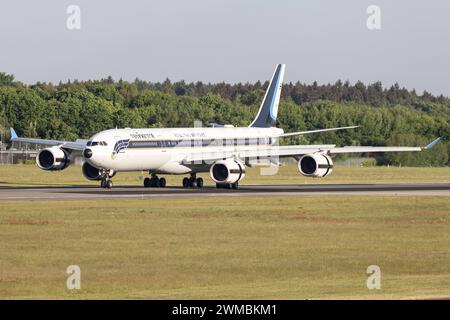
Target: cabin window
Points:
(183, 143)
(227, 142)
(172, 143)
(197, 142)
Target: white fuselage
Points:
(163, 150)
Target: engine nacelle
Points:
(90, 172)
(227, 171)
(315, 165)
(53, 158)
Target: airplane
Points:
(222, 150)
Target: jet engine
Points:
(315, 165)
(227, 171)
(53, 158)
(92, 173)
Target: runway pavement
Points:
(136, 192)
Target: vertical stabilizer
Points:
(267, 114)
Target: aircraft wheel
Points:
(185, 182)
(108, 184)
(199, 183)
(223, 185)
(103, 183)
(162, 182)
(235, 185)
(154, 182)
(192, 183)
(147, 182)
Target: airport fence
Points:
(17, 156)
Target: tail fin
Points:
(267, 114)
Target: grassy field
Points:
(12, 175)
(278, 247)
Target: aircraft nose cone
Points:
(87, 153)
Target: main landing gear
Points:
(193, 182)
(154, 182)
(227, 185)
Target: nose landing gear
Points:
(105, 182)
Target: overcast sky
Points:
(229, 40)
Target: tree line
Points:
(387, 116)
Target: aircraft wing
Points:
(373, 149)
(358, 149)
(293, 151)
(289, 134)
(253, 152)
(77, 145)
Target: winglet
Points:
(432, 144)
(13, 133)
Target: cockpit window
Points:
(96, 143)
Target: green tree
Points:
(6, 79)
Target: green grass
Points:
(14, 175)
(213, 247)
